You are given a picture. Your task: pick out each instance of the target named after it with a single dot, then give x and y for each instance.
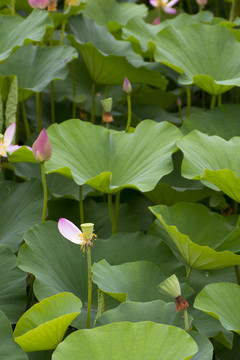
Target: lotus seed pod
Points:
(170, 287)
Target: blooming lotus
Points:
(42, 149)
(166, 5)
(39, 4)
(6, 139)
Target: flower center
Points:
(3, 147)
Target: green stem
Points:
(200, 13)
(13, 7)
(81, 205)
(180, 114)
(189, 6)
(235, 10)
(89, 286)
(219, 99)
(16, 138)
(129, 113)
(74, 88)
(44, 185)
(63, 23)
(101, 305)
(93, 104)
(31, 297)
(107, 91)
(25, 120)
(39, 111)
(189, 272)
(213, 102)
(110, 208)
(116, 211)
(203, 99)
(236, 268)
(185, 314)
(188, 100)
(216, 8)
(52, 103)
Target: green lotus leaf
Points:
(157, 311)
(221, 300)
(109, 60)
(12, 285)
(214, 160)
(110, 161)
(8, 101)
(197, 240)
(185, 49)
(43, 326)
(9, 349)
(20, 208)
(144, 340)
(15, 31)
(214, 122)
(112, 14)
(205, 347)
(36, 67)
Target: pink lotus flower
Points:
(166, 5)
(71, 231)
(156, 21)
(127, 87)
(5, 141)
(39, 4)
(42, 149)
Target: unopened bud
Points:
(42, 149)
(179, 102)
(127, 87)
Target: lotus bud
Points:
(179, 102)
(87, 229)
(127, 87)
(42, 149)
(39, 4)
(170, 287)
(156, 21)
(107, 104)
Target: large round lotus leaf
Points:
(36, 67)
(157, 311)
(12, 285)
(195, 50)
(214, 160)
(144, 340)
(112, 14)
(15, 31)
(20, 208)
(221, 300)
(43, 326)
(197, 233)
(205, 347)
(110, 161)
(128, 281)
(109, 60)
(222, 121)
(9, 349)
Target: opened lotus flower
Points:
(6, 140)
(166, 5)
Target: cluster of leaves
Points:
(174, 180)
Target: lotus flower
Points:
(127, 87)
(74, 234)
(39, 4)
(42, 149)
(5, 141)
(166, 5)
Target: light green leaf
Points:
(9, 349)
(116, 160)
(185, 49)
(15, 31)
(221, 301)
(205, 347)
(144, 340)
(197, 239)
(214, 160)
(43, 326)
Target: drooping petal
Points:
(11, 148)
(9, 134)
(70, 231)
(169, 10)
(172, 3)
(154, 3)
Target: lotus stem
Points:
(110, 208)
(52, 103)
(30, 298)
(39, 111)
(129, 113)
(189, 6)
(63, 23)
(93, 104)
(107, 91)
(89, 286)
(189, 272)
(188, 100)
(236, 268)
(101, 305)
(44, 185)
(81, 204)
(74, 88)
(117, 202)
(235, 10)
(25, 120)
(213, 102)
(185, 314)
(13, 7)
(17, 125)
(219, 99)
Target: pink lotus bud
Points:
(42, 149)
(156, 21)
(127, 87)
(39, 4)
(202, 2)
